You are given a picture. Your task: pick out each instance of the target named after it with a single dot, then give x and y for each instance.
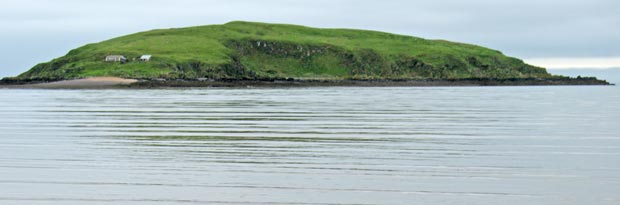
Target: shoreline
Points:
(122, 83)
(85, 83)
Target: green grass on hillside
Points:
(246, 50)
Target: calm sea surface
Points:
(404, 145)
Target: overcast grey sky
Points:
(546, 32)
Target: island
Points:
(261, 54)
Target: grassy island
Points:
(265, 52)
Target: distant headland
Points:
(240, 53)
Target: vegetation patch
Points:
(250, 51)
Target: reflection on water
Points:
(496, 145)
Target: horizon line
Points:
(575, 63)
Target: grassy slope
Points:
(256, 50)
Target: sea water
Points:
(333, 145)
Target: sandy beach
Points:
(90, 83)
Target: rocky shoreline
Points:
(369, 83)
(107, 82)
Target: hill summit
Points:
(248, 50)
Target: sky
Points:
(550, 33)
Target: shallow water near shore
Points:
(329, 145)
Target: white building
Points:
(115, 58)
(145, 58)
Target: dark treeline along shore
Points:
(260, 54)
